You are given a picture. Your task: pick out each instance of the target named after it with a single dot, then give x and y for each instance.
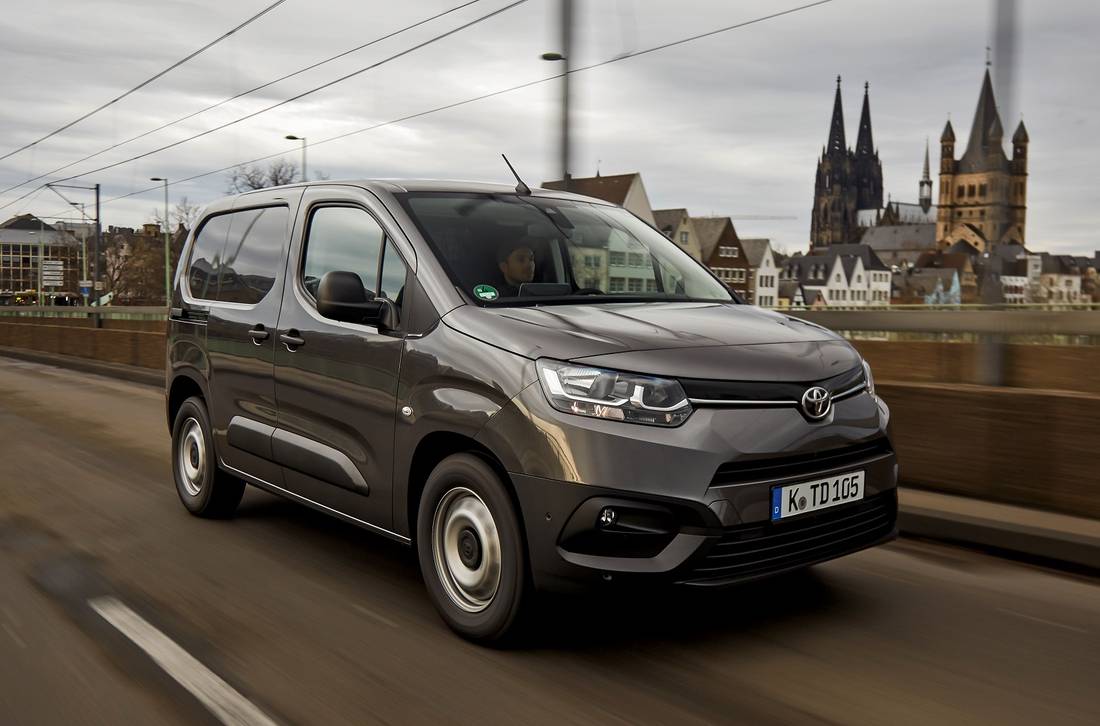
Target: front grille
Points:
(753, 550)
(716, 391)
(773, 469)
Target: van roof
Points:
(435, 185)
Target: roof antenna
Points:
(521, 188)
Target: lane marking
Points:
(376, 616)
(1025, 616)
(16, 638)
(229, 706)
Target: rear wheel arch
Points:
(183, 387)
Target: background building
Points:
(983, 194)
(23, 240)
(723, 254)
(846, 181)
(676, 225)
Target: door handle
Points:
(258, 334)
(291, 340)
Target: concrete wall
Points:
(1029, 444)
(63, 337)
(1017, 446)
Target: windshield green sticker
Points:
(486, 292)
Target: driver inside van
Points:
(517, 265)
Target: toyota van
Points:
(535, 389)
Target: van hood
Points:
(604, 331)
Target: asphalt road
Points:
(310, 621)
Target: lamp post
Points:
(167, 246)
(292, 137)
(565, 55)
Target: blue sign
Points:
(85, 291)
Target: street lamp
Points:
(167, 246)
(292, 137)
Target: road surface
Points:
(116, 606)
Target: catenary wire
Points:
(481, 97)
(242, 94)
(284, 102)
(147, 81)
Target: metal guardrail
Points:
(984, 321)
(1069, 320)
(116, 312)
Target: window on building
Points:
(651, 286)
(959, 192)
(634, 284)
(616, 258)
(683, 238)
(616, 284)
(970, 190)
(726, 251)
(636, 259)
(981, 190)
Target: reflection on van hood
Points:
(567, 332)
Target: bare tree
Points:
(184, 214)
(248, 177)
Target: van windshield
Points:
(508, 249)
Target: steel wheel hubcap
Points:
(191, 457)
(466, 549)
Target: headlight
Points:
(870, 378)
(602, 393)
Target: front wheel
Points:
(471, 549)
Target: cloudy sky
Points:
(730, 124)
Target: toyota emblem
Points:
(816, 403)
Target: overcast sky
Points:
(731, 124)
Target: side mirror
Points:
(341, 296)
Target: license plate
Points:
(815, 495)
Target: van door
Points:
(336, 382)
(240, 281)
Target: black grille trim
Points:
(715, 392)
(754, 550)
(772, 469)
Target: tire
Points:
(204, 489)
(464, 503)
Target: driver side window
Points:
(342, 238)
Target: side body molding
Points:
(296, 452)
(251, 436)
(317, 460)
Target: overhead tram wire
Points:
(284, 102)
(242, 94)
(147, 81)
(484, 96)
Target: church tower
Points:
(846, 181)
(983, 194)
(925, 183)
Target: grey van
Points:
(536, 390)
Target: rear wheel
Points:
(471, 549)
(203, 488)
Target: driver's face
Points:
(519, 267)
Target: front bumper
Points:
(694, 506)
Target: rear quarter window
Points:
(253, 254)
(206, 257)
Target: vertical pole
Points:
(41, 256)
(98, 243)
(305, 176)
(84, 246)
(567, 53)
(167, 255)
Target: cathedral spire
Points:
(837, 144)
(926, 183)
(985, 131)
(865, 145)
